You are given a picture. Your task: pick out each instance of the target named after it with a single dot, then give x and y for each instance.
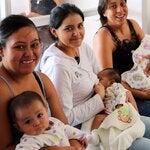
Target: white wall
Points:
(84, 4)
(138, 9)
(20, 6)
(146, 16)
(135, 10)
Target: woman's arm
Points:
(138, 29)
(130, 98)
(141, 94)
(57, 112)
(5, 129)
(58, 2)
(52, 99)
(61, 148)
(103, 51)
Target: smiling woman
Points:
(20, 51)
(72, 59)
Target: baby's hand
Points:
(147, 69)
(84, 143)
(100, 89)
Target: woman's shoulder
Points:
(103, 33)
(134, 22)
(41, 75)
(103, 30)
(137, 28)
(103, 36)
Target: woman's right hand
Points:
(62, 148)
(147, 69)
(146, 94)
(99, 89)
(141, 94)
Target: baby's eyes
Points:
(27, 121)
(40, 115)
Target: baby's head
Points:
(108, 76)
(29, 113)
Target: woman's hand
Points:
(74, 145)
(147, 69)
(130, 99)
(98, 120)
(84, 143)
(62, 148)
(100, 89)
(140, 94)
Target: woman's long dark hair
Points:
(102, 6)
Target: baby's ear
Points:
(112, 81)
(46, 108)
(17, 127)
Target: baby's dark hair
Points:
(22, 100)
(111, 73)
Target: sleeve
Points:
(70, 131)
(29, 144)
(75, 114)
(74, 133)
(120, 93)
(92, 58)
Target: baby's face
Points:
(105, 82)
(33, 119)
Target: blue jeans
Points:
(144, 142)
(143, 107)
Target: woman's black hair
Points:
(11, 24)
(59, 13)
(102, 6)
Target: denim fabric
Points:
(144, 142)
(143, 107)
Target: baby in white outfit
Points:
(136, 77)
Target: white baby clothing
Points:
(57, 135)
(136, 77)
(122, 126)
(119, 129)
(114, 95)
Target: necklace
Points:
(77, 58)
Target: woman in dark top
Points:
(115, 41)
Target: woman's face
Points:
(116, 12)
(71, 32)
(22, 51)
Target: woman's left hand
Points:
(147, 70)
(130, 99)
